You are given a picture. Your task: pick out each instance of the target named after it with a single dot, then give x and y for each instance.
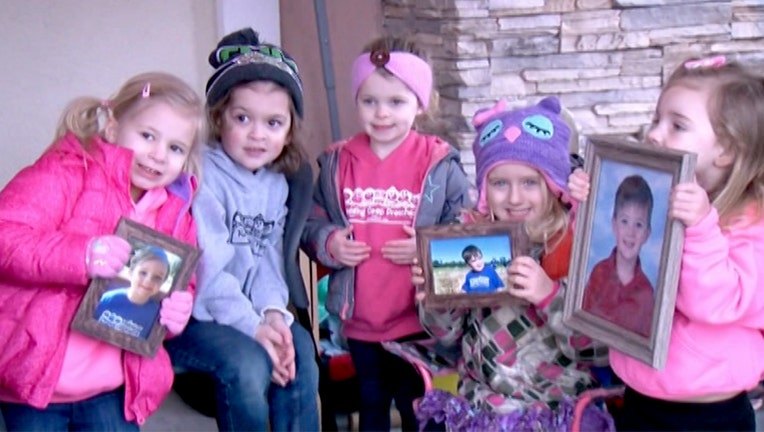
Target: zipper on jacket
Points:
(335, 184)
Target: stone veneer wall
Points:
(605, 59)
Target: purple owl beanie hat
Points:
(535, 136)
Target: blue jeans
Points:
(383, 376)
(241, 369)
(103, 412)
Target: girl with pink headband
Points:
(411, 69)
(373, 189)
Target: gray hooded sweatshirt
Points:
(240, 217)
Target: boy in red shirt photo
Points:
(618, 290)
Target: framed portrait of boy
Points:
(124, 310)
(465, 265)
(624, 269)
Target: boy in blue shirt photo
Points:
(131, 306)
(481, 278)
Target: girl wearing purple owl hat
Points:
(519, 366)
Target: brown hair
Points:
(471, 252)
(292, 156)
(736, 112)
(86, 117)
(634, 190)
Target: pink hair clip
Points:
(146, 90)
(706, 63)
(106, 104)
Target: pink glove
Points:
(106, 255)
(176, 311)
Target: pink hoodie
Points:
(387, 195)
(716, 344)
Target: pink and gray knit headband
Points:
(407, 67)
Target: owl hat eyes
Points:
(535, 135)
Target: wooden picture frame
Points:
(447, 274)
(626, 220)
(107, 311)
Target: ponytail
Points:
(83, 117)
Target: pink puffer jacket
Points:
(48, 213)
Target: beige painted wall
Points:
(53, 51)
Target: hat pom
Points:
(243, 37)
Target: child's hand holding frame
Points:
(124, 310)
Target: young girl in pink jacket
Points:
(134, 155)
(714, 108)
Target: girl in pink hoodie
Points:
(714, 108)
(132, 156)
(372, 190)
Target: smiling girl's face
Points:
(516, 192)
(161, 138)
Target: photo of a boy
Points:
(618, 290)
(130, 306)
(481, 278)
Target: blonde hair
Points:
(736, 112)
(86, 117)
(550, 229)
(293, 154)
